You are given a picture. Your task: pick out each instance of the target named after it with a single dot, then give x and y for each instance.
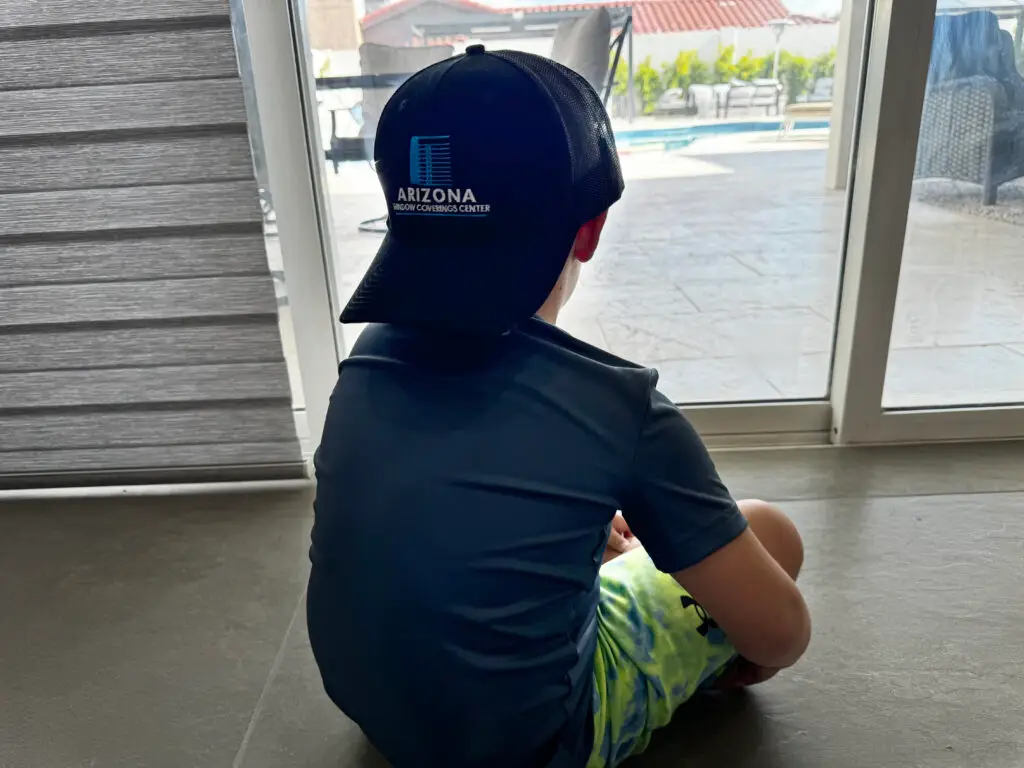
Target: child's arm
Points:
(682, 512)
(753, 600)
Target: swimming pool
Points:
(682, 136)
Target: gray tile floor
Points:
(720, 267)
(168, 632)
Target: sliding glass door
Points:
(721, 265)
(795, 262)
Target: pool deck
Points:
(720, 267)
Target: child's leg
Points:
(776, 533)
(780, 537)
(657, 646)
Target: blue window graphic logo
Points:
(430, 161)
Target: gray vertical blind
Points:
(138, 321)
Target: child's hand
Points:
(620, 539)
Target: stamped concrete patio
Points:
(720, 267)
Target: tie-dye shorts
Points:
(655, 648)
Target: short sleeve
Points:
(677, 505)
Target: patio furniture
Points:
(972, 126)
(675, 101)
(815, 105)
(381, 61)
(820, 93)
(805, 111)
(705, 99)
(581, 44)
(763, 93)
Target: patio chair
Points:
(820, 93)
(581, 44)
(674, 101)
(386, 61)
(972, 126)
(761, 93)
(704, 99)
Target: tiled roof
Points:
(649, 16)
(401, 6)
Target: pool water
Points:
(683, 136)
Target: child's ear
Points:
(588, 237)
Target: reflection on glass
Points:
(958, 335)
(721, 263)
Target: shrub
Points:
(751, 67)
(648, 84)
(620, 86)
(824, 65)
(724, 66)
(795, 72)
(685, 71)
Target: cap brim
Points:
(469, 289)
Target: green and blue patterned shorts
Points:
(655, 648)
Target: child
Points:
(475, 457)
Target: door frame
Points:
(897, 67)
(295, 167)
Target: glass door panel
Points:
(958, 331)
(720, 265)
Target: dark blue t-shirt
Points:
(464, 495)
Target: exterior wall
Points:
(808, 41)
(664, 47)
(398, 30)
(332, 25)
(803, 41)
(138, 321)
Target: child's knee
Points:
(777, 533)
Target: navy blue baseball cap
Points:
(490, 163)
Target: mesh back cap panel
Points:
(597, 176)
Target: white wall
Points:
(662, 48)
(802, 41)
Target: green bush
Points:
(824, 65)
(724, 67)
(648, 84)
(797, 73)
(685, 71)
(620, 86)
(751, 67)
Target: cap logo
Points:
(430, 161)
(432, 190)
